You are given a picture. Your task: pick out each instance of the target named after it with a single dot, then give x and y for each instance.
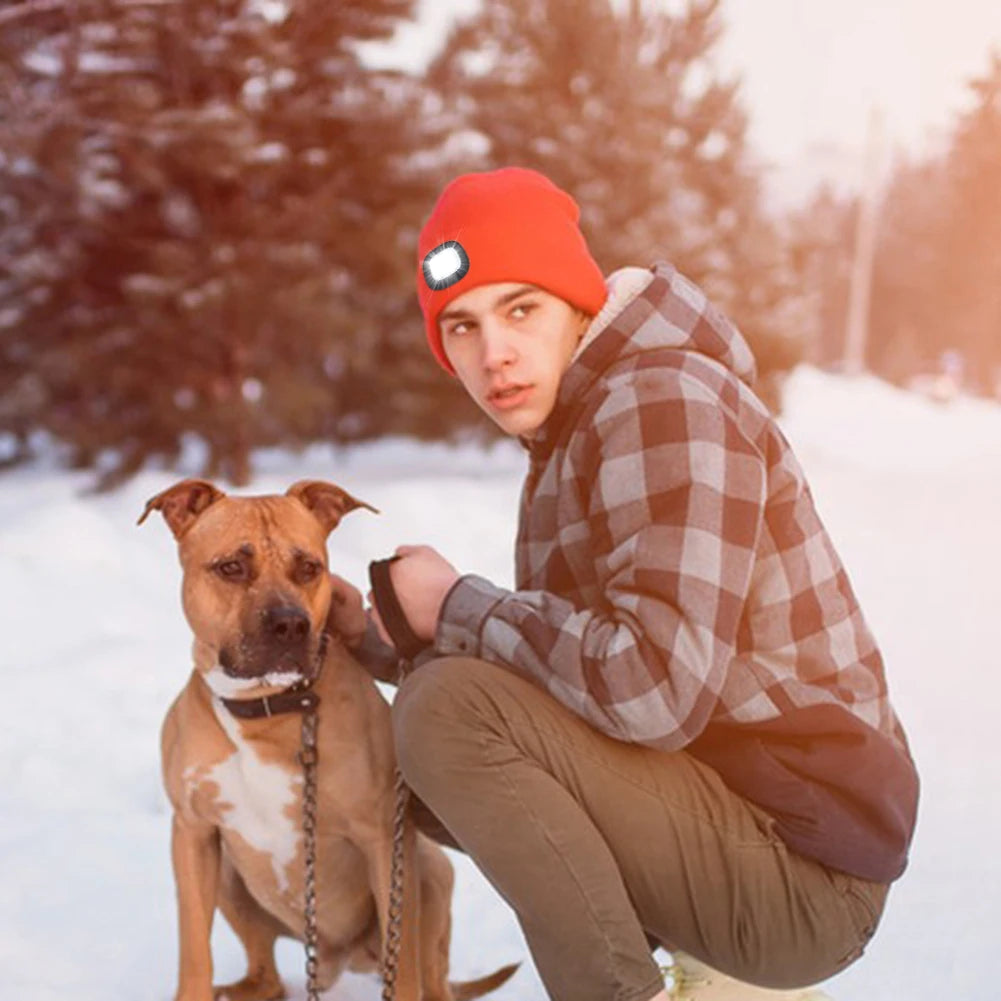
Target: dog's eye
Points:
(307, 570)
(230, 569)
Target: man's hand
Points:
(346, 617)
(421, 579)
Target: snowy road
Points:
(94, 648)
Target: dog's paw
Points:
(251, 989)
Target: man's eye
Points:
(459, 329)
(522, 310)
(230, 569)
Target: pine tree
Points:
(907, 332)
(970, 279)
(819, 240)
(208, 225)
(622, 108)
(938, 258)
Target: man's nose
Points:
(498, 345)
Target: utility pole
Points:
(857, 325)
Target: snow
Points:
(271, 152)
(95, 648)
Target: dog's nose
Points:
(286, 623)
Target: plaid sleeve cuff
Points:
(378, 658)
(466, 608)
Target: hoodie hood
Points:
(647, 310)
(654, 308)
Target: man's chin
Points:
(518, 423)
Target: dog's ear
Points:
(182, 503)
(328, 503)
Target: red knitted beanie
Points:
(508, 225)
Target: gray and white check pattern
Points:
(674, 580)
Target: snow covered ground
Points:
(94, 648)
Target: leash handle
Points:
(408, 644)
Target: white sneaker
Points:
(693, 980)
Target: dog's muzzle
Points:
(281, 644)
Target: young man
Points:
(676, 729)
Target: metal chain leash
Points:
(391, 949)
(308, 757)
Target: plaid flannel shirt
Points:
(676, 588)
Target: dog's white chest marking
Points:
(254, 797)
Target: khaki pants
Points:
(597, 844)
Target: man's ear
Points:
(182, 504)
(329, 503)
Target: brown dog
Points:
(256, 594)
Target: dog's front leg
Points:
(379, 855)
(195, 853)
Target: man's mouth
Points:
(508, 397)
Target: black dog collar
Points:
(298, 698)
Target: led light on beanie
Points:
(445, 265)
